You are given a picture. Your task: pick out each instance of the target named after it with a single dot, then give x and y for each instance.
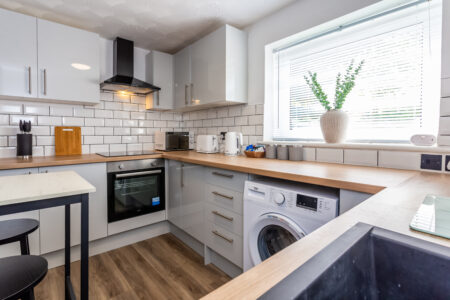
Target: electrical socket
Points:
(431, 162)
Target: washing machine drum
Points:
(272, 233)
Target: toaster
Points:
(207, 143)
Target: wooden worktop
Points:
(393, 208)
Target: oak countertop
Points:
(398, 194)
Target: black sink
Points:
(368, 262)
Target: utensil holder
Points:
(282, 152)
(24, 147)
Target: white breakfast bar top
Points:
(32, 187)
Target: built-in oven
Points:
(135, 187)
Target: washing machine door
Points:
(272, 233)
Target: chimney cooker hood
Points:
(123, 71)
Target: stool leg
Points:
(24, 246)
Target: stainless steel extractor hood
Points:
(123, 70)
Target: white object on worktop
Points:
(207, 143)
(233, 143)
(44, 60)
(222, 53)
(278, 213)
(31, 187)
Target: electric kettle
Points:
(233, 143)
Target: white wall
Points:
(299, 16)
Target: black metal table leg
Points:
(67, 283)
(84, 247)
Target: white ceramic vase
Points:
(334, 126)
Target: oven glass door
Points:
(134, 193)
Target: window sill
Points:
(366, 146)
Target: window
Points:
(397, 93)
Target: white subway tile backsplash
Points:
(222, 113)
(444, 140)
(259, 109)
(122, 131)
(234, 111)
(45, 140)
(113, 139)
(49, 150)
(134, 147)
(228, 121)
(9, 130)
(444, 125)
(94, 122)
(137, 115)
(145, 139)
(87, 130)
(8, 152)
(129, 139)
(256, 120)
(121, 114)
(40, 130)
(399, 160)
(61, 111)
(145, 123)
(330, 155)
(36, 109)
(155, 115)
(4, 119)
(130, 123)
(248, 110)
(241, 120)
(7, 107)
(113, 122)
(38, 151)
(104, 131)
(248, 130)
(72, 121)
(83, 112)
(3, 141)
(130, 107)
(165, 116)
(107, 96)
(15, 119)
(361, 157)
(160, 124)
(122, 98)
(117, 147)
(47, 120)
(88, 140)
(99, 148)
(113, 105)
(138, 131)
(100, 113)
(445, 107)
(212, 113)
(138, 99)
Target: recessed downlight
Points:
(81, 67)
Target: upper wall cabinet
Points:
(212, 71)
(43, 60)
(159, 72)
(68, 61)
(18, 55)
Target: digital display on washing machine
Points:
(307, 202)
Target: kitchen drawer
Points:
(227, 179)
(226, 243)
(224, 197)
(224, 218)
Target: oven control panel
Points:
(129, 165)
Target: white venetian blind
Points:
(397, 92)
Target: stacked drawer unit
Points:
(223, 213)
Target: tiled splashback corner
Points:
(247, 119)
(117, 123)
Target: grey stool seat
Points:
(20, 274)
(17, 230)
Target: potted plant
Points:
(334, 121)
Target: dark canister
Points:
(24, 140)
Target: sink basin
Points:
(368, 262)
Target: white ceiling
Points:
(164, 25)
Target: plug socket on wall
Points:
(431, 162)
(447, 163)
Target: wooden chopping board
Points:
(67, 140)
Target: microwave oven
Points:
(171, 141)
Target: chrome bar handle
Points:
(29, 80)
(222, 195)
(222, 236)
(45, 81)
(222, 216)
(182, 175)
(223, 174)
(157, 98)
(185, 94)
(192, 93)
(127, 175)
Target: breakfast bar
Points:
(45, 190)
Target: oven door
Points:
(135, 193)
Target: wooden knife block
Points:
(67, 140)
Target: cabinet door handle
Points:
(223, 174)
(29, 80)
(222, 216)
(45, 81)
(157, 98)
(192, 93)
(182, 175)
(186, 94)
(222, 195)
(222, 236)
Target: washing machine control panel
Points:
(307, 202)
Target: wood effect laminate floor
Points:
(159, 268)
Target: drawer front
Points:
(226, 243)
(224, 218)
(224, 197)
(227, 179)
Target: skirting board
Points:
(209, 255)
(56, 259)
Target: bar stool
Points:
(19, 275)
(17, 231)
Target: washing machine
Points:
(279, 213)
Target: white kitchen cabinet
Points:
(186, 198)
(349, 199)
(68, 63)
(159, 72)
(52, 219)
(33, 238)
(218, 70)
(182, 78)
(445, 71)
(18, 55)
